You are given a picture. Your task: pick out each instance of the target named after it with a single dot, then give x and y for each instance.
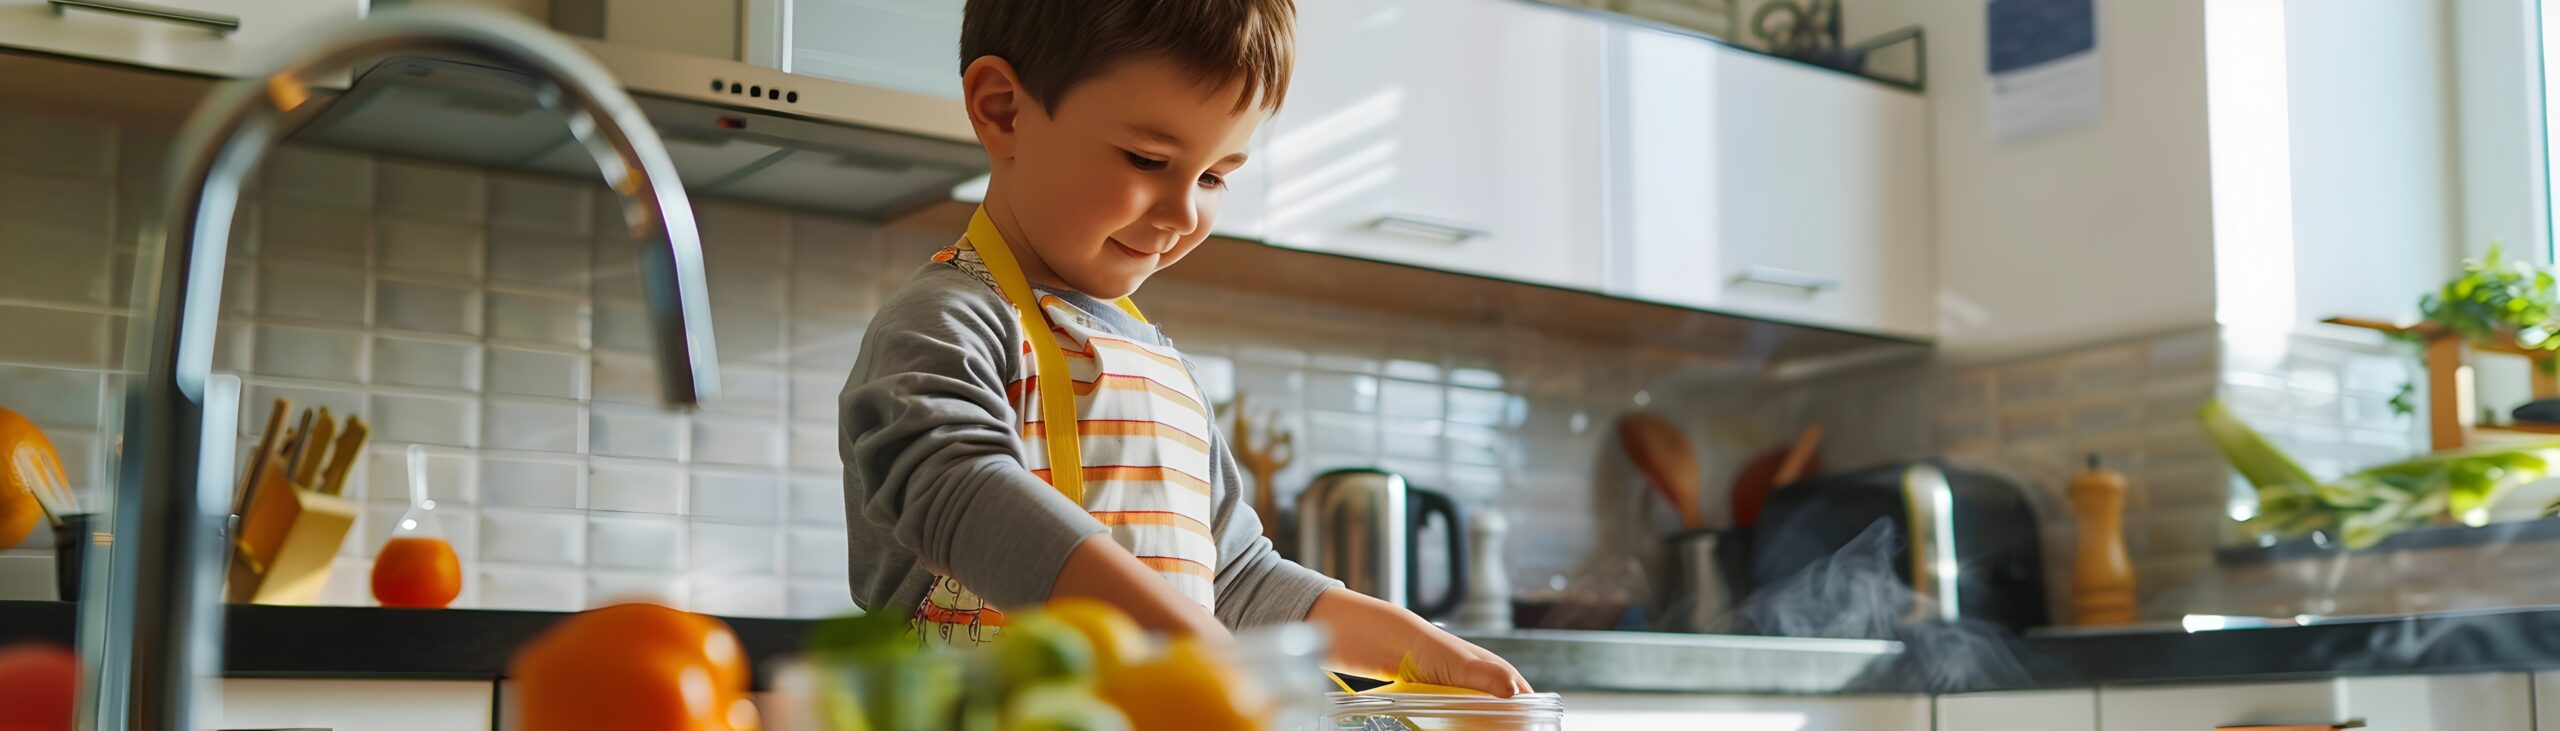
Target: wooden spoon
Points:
(1662, 453)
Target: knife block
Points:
(287, 536)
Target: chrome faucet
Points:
(161, 629)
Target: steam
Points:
(1856, 594)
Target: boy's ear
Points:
(995, 99)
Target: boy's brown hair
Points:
(1056, 44)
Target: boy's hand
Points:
(1371, 638)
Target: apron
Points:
(1116, 425)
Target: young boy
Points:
(1111, 126)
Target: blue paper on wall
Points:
(2046, 72)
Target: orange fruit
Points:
(38, 687)
(1188, 688)
(416, 572)
(1117, 640)
(26, 460)
(638, 667)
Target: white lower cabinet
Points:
(347, 705)
(2546, 696)
(2037, 710)
(1665, 712)
(2486, 702)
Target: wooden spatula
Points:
(1662, 453)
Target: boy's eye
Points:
(1143, 162)
(1212, 180)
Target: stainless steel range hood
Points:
(735, 129)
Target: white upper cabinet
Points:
(907, 45)
(1770, 188)
(1464, 135)
(212, 37)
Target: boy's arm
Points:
(929, 459)
(1256, 587)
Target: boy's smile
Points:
(1118, 180)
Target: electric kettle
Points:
(1359, 525)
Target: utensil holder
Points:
(287, 535)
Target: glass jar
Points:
(1409, 712)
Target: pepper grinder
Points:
(2102, 575)
(1488, 603)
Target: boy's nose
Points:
(1175, 211)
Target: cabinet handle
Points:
(1776, 277)
(1426, 227)
(221, 25)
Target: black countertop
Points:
(361, 642)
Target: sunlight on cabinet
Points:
(374, 705)
(1649, 712)
(2054, 710)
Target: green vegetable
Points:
(2367, 506)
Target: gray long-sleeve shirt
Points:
(934, 475)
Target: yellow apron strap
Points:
(1057, 385)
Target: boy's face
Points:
(1124, 179)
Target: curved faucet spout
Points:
(163, 627)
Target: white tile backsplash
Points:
(533, 536)
(408, 361)
(38, 336)
(527, 482)
(425, 307)
(320, 176)
(606, 588)
(312, 293)
(53, 270)
(551, 589)
(636, 541)
(537, 426)
(452, 422)
(433, 192)
(746, 498)
(626, 378)
(636, 487)
(726, 549)
(817, 501)
(539, 319)
(739, 596)
(329, 355)
(529, 372)
(543, 204)
(619, 431)
(729, 441)
(539, 260)
(431, 248)
(54, 398)
(315, 234)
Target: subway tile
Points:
(817, 501)
(1478, 407)
(635, 432)
(378, 522)
(54, 398)
(1410, 399)
(733, 290)
(1475, 378)
(817, 291)
(1412, 369)
(840, 245)
(606, 588)
(718, 440)
(55, 270)
(404, 305)
(1342, 392)
(744, 234)
(748, 336)
(454, 250)
(432, 192)
(329, 355)
(532, 483)
(749, 391)
(1340, 433)
(722, 549)
(306, 234)
(542, 204)
(813, 448)
(817, 554)
(1216, 374)
(261, 396)
(1474, 483)
(399, 361)
(754, 499)
(320, 176)
(548, 589)
(826, 343)
(1270, 385)
(625, 378)
(636, 541)
(617, 269)
(529, 536)
(426, 419)
(453, 476)
(57, 145)
(1410, 438)
(550, 261)
(726, 595)
(232, 349)
(311, 293)
(814, 395)
(539, 426)
(624, 326)
(537, 319)
(636, 487)
(821, 599)
(1471, 444)
(527, 372)
(56, 209)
